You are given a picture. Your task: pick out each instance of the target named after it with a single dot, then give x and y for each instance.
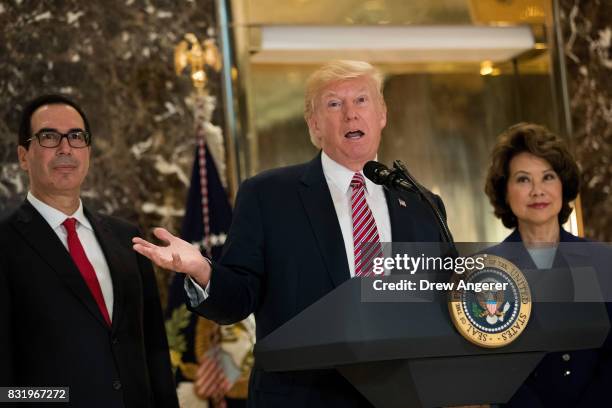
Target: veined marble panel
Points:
(587, 31)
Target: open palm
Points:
(178, 255)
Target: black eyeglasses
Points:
(52, 138)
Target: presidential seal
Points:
(496, 316)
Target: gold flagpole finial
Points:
(190, 52)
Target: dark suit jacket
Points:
(567, 379)
(52, 332)
(285, 251)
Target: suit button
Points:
(115, 341)
(566, 357)
(116, 385)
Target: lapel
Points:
(43, 240)
(321, 213)
(115, 255)
(571, 251)
(513, 250)
(400, 217)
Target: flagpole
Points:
(201, 141)
(199, 56)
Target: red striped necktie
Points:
(365, 234)
(84, 266)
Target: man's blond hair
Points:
(334, 71)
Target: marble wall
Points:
(587, 32)
(115, 58)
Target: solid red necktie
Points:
(365, 234)
(84, 266)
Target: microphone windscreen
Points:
(375, 171)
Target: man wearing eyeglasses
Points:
(78, 309)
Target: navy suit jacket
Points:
(568, 379)
(285, 251)
(52, 332)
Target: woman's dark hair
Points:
(541, 142)
(25, 122)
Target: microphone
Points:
(400, 179)
(378, 173)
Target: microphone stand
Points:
(399, 166)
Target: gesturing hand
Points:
(178, 255)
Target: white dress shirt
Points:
(92, 248)
(338, 180)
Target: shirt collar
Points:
(55, 217)
(340, 175)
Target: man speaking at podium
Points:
(298, 232)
